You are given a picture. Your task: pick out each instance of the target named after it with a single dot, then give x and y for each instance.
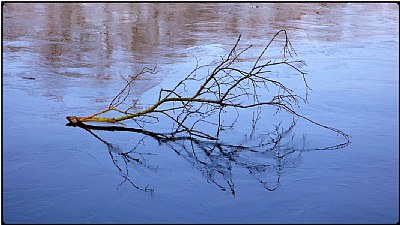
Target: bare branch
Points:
(230, 84)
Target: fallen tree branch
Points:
(200, 101)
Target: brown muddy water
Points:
(70, 59)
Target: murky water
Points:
(69, 59)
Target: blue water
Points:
(77, 53)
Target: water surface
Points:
(69, 59)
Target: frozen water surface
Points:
(68, 59)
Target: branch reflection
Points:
(217, 161)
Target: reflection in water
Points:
(215, 160)
(67, 45)
(131, 156)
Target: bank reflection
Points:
(96, 43)
(83, 39)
